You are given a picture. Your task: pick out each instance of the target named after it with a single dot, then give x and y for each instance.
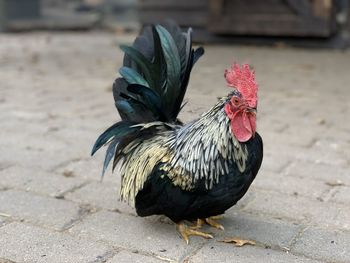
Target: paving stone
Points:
(325, 245)
(24, 243)
(82, 139)
(3, 219)
(297, 208)
(275, 163)
(342, 219)
(40, 210)
(269, 232)
(221, 252)
(89, 169)
(246, 199)
(326, 172)
(38, 158)
(323, 153)
(91, 194)
(4, 165)
(289, 137)
(342, 195)
(34, 139)
(125, 256)
(287, 184)
(37, 180)
(136, 233)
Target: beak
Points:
(252, 110)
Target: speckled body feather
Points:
(200, 150)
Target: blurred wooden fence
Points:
(298, 18)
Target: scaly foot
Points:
(199, 224)
(211, 221)
(186, 231)
(238, 241)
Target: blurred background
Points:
(298, 22)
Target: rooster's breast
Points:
(160, 196)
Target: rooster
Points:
(187, 172)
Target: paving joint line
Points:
(84, 211)
(5, 260)
(63, 164)
(63, 194)
(186, 258)
(104, 257)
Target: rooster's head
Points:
(241, 108)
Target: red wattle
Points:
(243, 125)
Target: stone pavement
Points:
(55, 99)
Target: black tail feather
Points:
(161, 59)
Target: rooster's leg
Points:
(217, 217)
(186, 231)
(211, 221)
(199, 224)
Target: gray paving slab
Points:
(40, 210)
(326, 172)
(25, 243)
(134, 257)
(298, 209)
(91, 194)
(324, 244)
(342, 220)
(4, 218)
(88, 169)
(342, 194)
(282, 135)
(37, 158)
(38, 181)
(222, 252)
(136, 233)
(287, 184)
(269, 232)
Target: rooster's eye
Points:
(235, 100)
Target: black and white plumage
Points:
(184, 171)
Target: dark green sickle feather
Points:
(154, 80)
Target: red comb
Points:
(243, 79)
